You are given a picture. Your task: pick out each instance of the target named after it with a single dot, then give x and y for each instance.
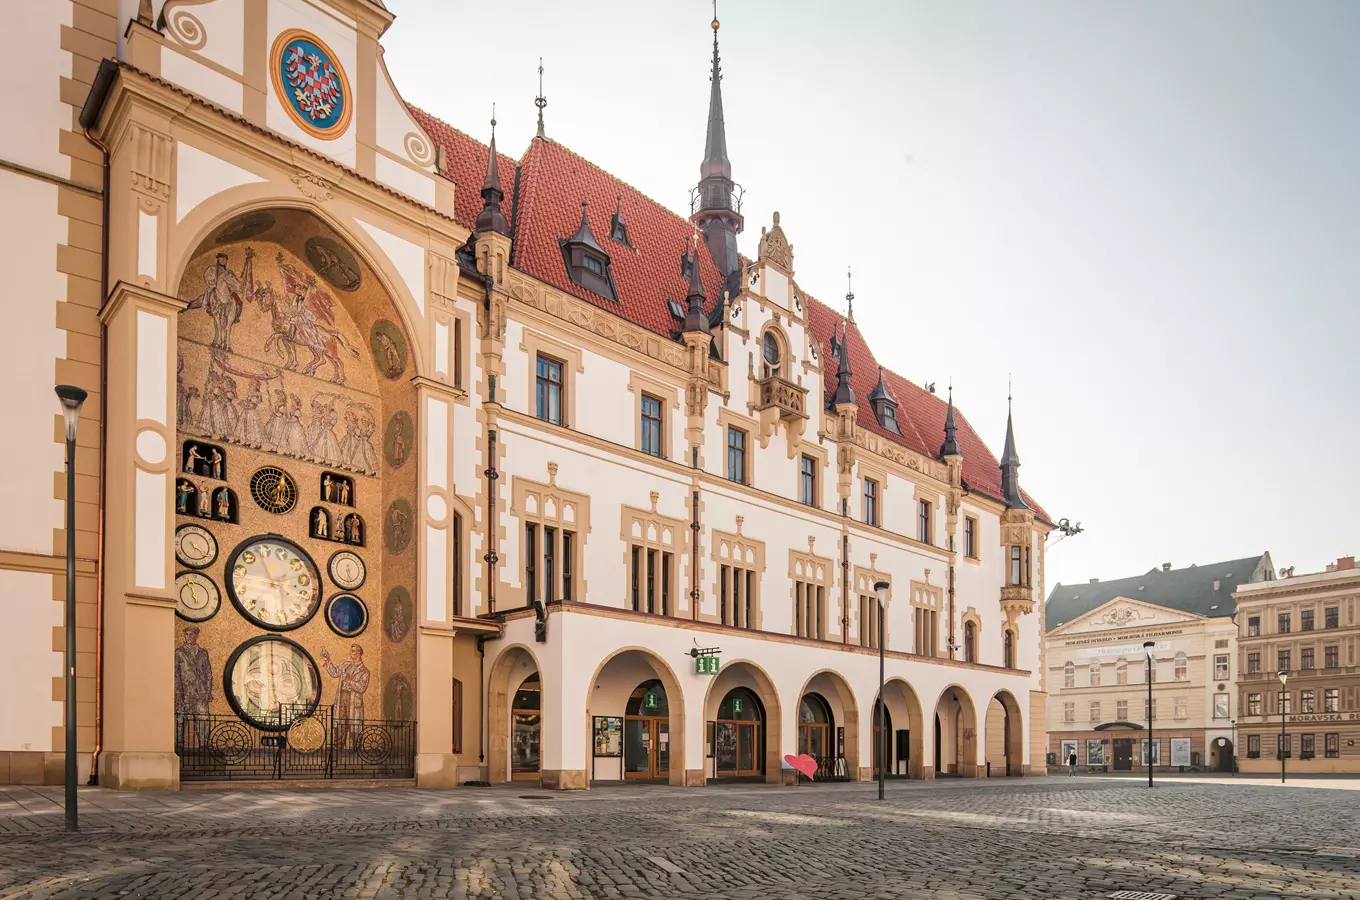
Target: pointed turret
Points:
(491, 218)
(695, 320)
(583, 233)
(1010, 466)
(950, 447)
(715, 204)
(845, 394)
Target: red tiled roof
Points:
(543, 202)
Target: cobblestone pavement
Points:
(997, 839)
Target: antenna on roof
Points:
(849, 294)
(540, 101)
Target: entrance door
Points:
(1123, 755)
(739, 736)
(814, 730)
(878, 740)
(646, 747)
(1225, 756)
(526, 724)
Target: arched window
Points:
(1121, 671)
(1008, 654)
(969, 643)
(1182, 670)
(773, 353)
(1093, 674)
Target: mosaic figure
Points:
(224, 295)
(304, 318)
(193, 676)
(349, 694)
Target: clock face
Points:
(347, 570)
(196, 596)
(273, 582)
(195, 546)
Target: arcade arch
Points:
(906, 756)
(1004, 735)
(955, 734)
(636, 710)
(515, 712)
(743, 725)
(835, 742)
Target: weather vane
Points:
(540, 101)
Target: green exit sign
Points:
(706, 665)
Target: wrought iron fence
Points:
(297, 745)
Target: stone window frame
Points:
(1121, 671)
(669, 395)
(785, 352)
(822, 460)
(1069, 712)
(976, 556)
(970, 617)
(751, 554)
(865, 577)
(729, 419)
(1180, 666)
(1093, 709)
(536, 343)
(1121, 710)
(1093, 672)
(930, 598)
(800, 565)
(1182, 708)
(526, 492)
(1069, 674)
(653, 526)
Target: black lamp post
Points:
(1284, 706)
(1234, 745)
(71, 398)
(881, 589)
(1147, 649)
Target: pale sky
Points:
(1146, 213)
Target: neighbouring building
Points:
(1303, 627)
(1098, 670)
(404, 458)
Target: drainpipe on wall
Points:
(845, 578)
(694, 543)
(951, 608)
(491, 476)
(89, 114)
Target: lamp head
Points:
(881, 588)
(1284, 676)
(71, 398)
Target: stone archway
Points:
(745, 674)
(617, 677)
(512, 668)
(832, 688)
(1004, 736)
(955, 733)
(904, 712)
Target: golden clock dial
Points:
(274, 583)
(196, 597)
(347, 570)
(195, 546)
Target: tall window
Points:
(1069, 713)
(1019, 568)
(736, 454)
(1307, 701)
(1070, 674)
(1306, 620)
(969, 642)
(1306, 658)
(1220, 667)
(1093, 673)
(1254, 626)
(1121, 671)
(549, 390)
(530, 563)
(924, 532)
(1008, 649)
(1331, 657)
(1222, 706)
(809, 601)
(650, 579)
(1182, 707)
(1331, 617)
(1094, 710)
(1331, 700)
(807, 481)
(870, 501)
(970, 537)
(772, 362)
(1282, 623)
(1284, 746)
(651, 425)
(1254, 663)
(1181, 671)
(1333, 745)
(1253, 704)
(868, 621)
(1253, 746)
(1283, 703)
(927, 631)
(1283, 657)
(1306, 746)
(736, 596)
(1121, 710)
(1150, 670)
(457, 716)
(457, 573)
(1150, 713)
(549, 563)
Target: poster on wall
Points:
(1180, 751)
(1156, 753)
(1095, 753)
(609, 736)
(1068, 748)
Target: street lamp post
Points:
(1233, 723)
(71, 398)
(1284, 740)
(881, 589)
(1147, 649)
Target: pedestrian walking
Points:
(1072, 764)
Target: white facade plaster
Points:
(152, 338)
(221, 31)
(337, 31)
(199, 175)
(403, 178)
(31, 616)
(407, 258)
(152, 501)
(146, 244)
(207, 83)
(31, 70)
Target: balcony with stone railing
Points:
(780, 393)
(1017, 600)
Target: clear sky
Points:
(1146, 213)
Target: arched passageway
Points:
(515, 712)
(906, 733)
(829, 727)
(637, 720)
(955, 734)
(1004, 736)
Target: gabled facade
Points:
(512, 460)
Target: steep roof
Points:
(550, 183)
(1189, 590)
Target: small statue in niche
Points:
(184, 489)
(321, 524)
(354, 530)
(217, 464)
(205, 504)
(193, 459)
(344, 491)
(326, 488)
(224, 505)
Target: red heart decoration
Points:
(804, 764)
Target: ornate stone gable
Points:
(775, 248)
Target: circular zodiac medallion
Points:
(310, 83)
(347, 570)
(273, 582)
(306, 735)
(197, 598)
(272, 682)
(273, 489)
(347, 615)
(195, 546)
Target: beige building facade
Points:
(405, 459)
(1099, 673)
(1305, 627)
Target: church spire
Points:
(491, 218)
(950, 447)
(1010, 466)
(715, 204)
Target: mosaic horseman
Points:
(304, 317)
(224, 294)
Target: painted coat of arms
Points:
(311, 83)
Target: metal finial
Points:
(716, 24)
(849, 297)
(493, 119)
(540, 101)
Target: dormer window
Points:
(586, 261)
(618, 232)
(884, 405)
